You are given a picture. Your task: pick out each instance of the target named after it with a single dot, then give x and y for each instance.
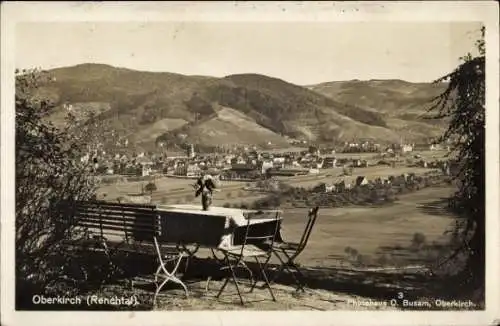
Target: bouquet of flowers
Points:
(205, 186)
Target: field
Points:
(372, 231)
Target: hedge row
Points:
(359, 195)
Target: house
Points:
(361, 181)
(407, 148)
(243, 171)
(146, 169)
(279, 160)
(193, 170)
(329, 162)
(180, 169)
(340, 186)
(268, 164)
(356, 163)
(435, 147)
(410, 177)
(323, 187)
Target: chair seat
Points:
(286, 246)
(248, 251)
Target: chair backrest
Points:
(129, 221)
(263, 232)
(311, 220)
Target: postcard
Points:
(250, 162)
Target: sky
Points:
(303, 53)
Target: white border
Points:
(12, 12)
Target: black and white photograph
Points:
(211, 159)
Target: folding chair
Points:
(234, 256)
(173, 255)
(287, 252)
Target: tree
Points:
(463, 103)
(150, 187)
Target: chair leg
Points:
(264, 266)
(207, 284)
(188, 258)
(236, 284)
(233, 276)
(281, 268)
(287, 265)
(265, 278)
(226, 280)
(223, 287)
(293, 265)
(245, 266)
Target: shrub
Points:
(48, 182)
(418, 239)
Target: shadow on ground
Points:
(373, 284)
(439, 207)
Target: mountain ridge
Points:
(144, 106)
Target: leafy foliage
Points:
(49, 172)
(463, 103)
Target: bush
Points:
(48, 182)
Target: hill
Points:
(148, 107)
(403, 105)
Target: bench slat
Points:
(117, 228)
(120, 205)
(133, 209)
(116, 212)
(117, 223)
(103, 217)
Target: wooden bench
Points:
(112, 228)
(113, 222)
